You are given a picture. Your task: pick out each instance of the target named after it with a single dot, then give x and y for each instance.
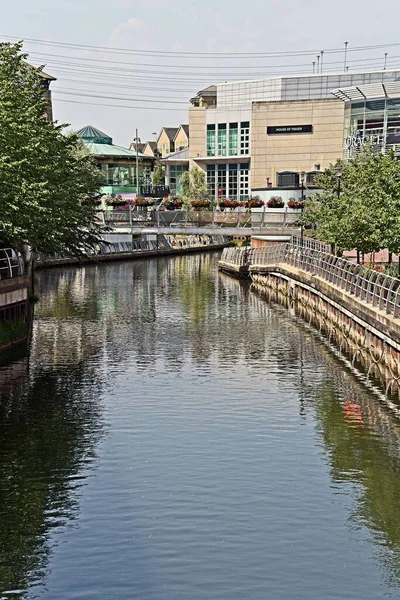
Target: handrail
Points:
(11, 264)
(164, 242)
(371, 287)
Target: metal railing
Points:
(164, 242)
(238, 217)
(370, 286)
(11, 264)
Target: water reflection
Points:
(128, 348)
(50, 422)
(360, 429)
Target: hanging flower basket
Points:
(173, 203)
(144, 202)
(228, 203)
(200, 204)
(254, 202)
(275, 202)
(295, 204)
(115, 201)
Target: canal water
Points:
(174, 436)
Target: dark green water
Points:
(174, 436)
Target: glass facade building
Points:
(372, 115)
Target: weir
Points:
(357, 307)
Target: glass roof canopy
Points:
(369, 91)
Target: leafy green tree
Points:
(159, 175)
(47, 183)
(194, 184)
(364, 212)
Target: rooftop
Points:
(100, 144)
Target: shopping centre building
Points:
(267, 135)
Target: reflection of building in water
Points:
(359, 426)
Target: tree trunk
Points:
(390, 258)
(358, 256)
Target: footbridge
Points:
(181, 222)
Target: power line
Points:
(200, 54)
(90, 95)
(119, 105)
(175, 66)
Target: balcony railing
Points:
(11, 264)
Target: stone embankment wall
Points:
(367, 335)
(14, 311)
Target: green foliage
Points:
(159, 176)
(365, 214)
(194, 184)
(47, 178)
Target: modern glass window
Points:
(245, 137)
(222, 183)
(175, 174)
(233, 139)
(243, 181)
(221, 139)
(232, 180)
(210, 140)
(374, 121)
(120, 175)
(211, 180)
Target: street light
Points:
(339, 174)
(302, 179)
(137, 142)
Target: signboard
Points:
(285, 129)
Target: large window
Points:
(372, 121)
(233, 181)
(228, 180)
(245, 137)
(233, 139)
(119, 175)
(221, 139)
(222, 183)
(211, 180)
(210, 140)
(244, 181)
(228, 139)
(175, 174)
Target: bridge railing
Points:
(11, 264)
(218, 219)
(370, 286)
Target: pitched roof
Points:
(170, 132)
(93, 135)
(140, 147)
(185, 129)
(210, 89)
(152, 145)
(112, 150)
(180, 156)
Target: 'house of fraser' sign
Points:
(285, 129)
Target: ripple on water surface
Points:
(174, 436)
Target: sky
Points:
(143, 87)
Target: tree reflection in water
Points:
(168, 315)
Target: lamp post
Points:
(137, 142)
(339, 174)
(302, 179)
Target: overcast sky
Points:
(205, 26)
